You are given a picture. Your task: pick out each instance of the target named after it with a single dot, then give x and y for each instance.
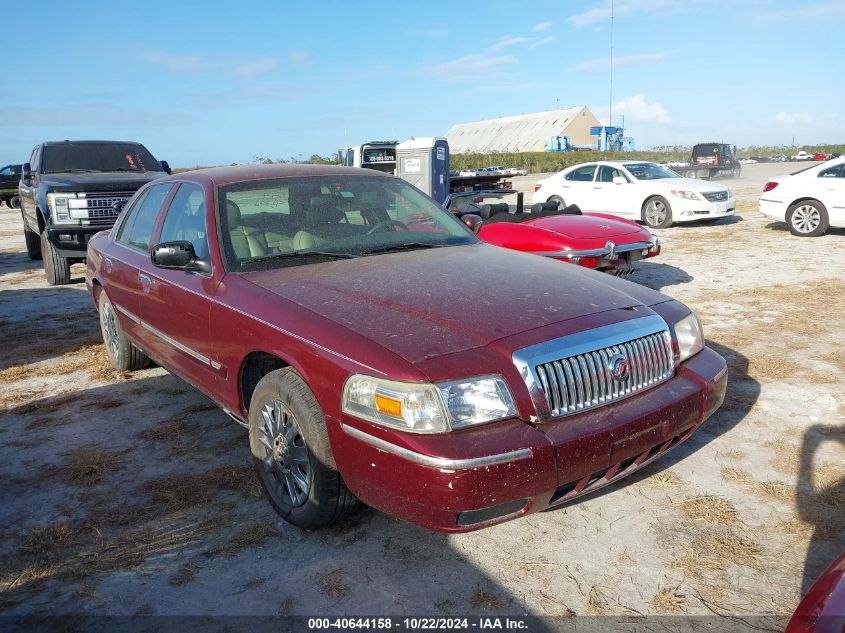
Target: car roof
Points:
(67, 142)
(239, 173)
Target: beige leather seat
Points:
(247, 242)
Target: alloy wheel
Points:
(286, 455)
(806, 218)
(655, 212)
(109, 327)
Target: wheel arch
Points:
(805, 199)
(254, 367)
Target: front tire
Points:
(123, 355)
(657, 213)
(807, 218)
(32, 240)
(293, 458)
(56, 267)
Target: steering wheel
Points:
(388, 225)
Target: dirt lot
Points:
(134, 495)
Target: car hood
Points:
(99, 181)
(428, 303)
(685, 183)
(588, 226)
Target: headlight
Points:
(686, 194)
(690, 336)
(58, 204)
(428, 408)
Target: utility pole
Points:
(610, 109)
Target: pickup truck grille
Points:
(602, 369)
(715, 196)
(99, 206)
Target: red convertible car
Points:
(595, 240)
(377, 350)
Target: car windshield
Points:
(649, 171)
(294, 221)
(67, 157)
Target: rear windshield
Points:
(97, 157)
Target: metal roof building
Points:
(522, 133)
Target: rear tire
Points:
(807, 218)
(56, 267)
(560, 202)
(657, 213)
(32, 240)
(15, 202)
(123, 355)
(293, 458)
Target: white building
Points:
(522, 133)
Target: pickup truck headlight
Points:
(59, 208)
(686, 194)
(690, 336)
(425, 407)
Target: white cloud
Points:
(509, 41)
(542, 26)
(625, 8)
(637, 108)
(543, 40)
(475, 66)
(257, 67)
(176, 63)
(640, 59)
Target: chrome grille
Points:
(715, 196)
(573, 374)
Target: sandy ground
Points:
(134, 495)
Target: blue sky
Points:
(219, 82)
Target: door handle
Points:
(146, 280)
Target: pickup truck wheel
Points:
(657, 213)
(15, 202)
(123, 355)
(33, 241)
(293, 458)
(56, 267)
(807, 218)
(560, 203)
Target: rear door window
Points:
(136, 232)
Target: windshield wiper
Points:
(137, 171)
(407, 246)
(302, 253)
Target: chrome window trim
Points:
(437, 462)
(527, 359)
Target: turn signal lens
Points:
(388, 405)
(769, 186)
(537, 187)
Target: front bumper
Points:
(691, 210)
(71, 240)
(462, 481)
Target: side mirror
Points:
(26, 173)
(619, 180)
(178, 256)
(473, 221)
(118, 206)
(165, 166)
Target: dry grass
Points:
(46, 541)
(771, 367)
(250, 535)
(712, 550)
(88, 466)
(596, 601)
(481, 599)
(669, 601)
(836, 358)
(185, 574)
(787, 456)
(771, 489)
(333, 584)
(664, 479)
(733, 454)
(710, 508)
(178, 492)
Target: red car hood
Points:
(427, 303)
(589, 226)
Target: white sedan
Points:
(810, 200)
(637, 190)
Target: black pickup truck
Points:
(70, 190)
(709, 160)
(9, 177)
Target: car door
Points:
(832, 183)
(577, 187)
(26, 189)
(175, 304)
(612, 197)
(126, 257)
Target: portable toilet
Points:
(424, 162)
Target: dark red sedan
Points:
(600, 241)
(377, 350)
(822, 610)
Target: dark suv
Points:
(70, 190)
(9, 177)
